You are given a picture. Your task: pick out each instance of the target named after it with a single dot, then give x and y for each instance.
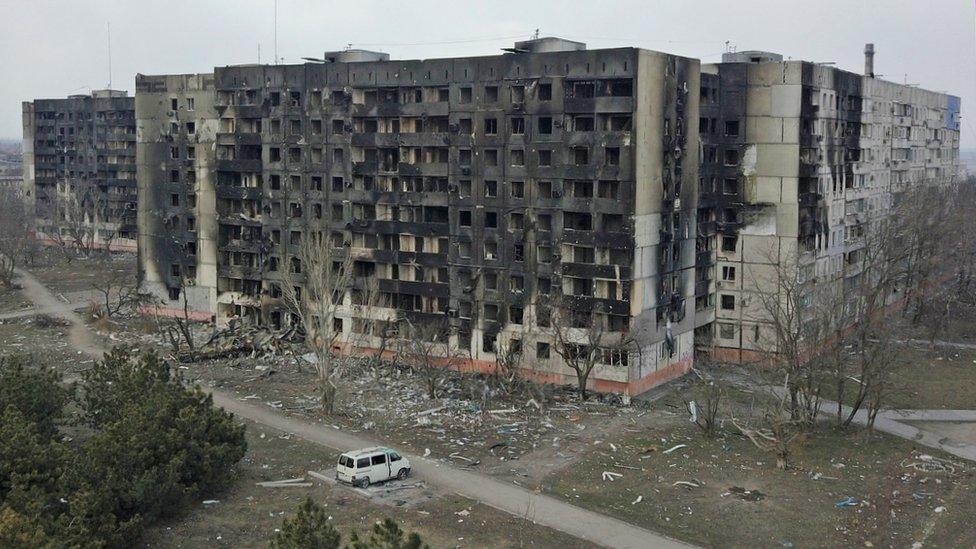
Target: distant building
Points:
(79, 167)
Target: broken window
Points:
(465, 96)
(491, 94)
(491, 189)
(730, 185)
(191, 128)
(338, 126)
(582, 189)
(545, 158)
(544, 92)
(543, 253)
(515, 317)
(443, 95)
(464, 157)
(729, 243)
(518, 157)
(578, 221)
(518, 94)
(731, 157)
(491, 126)
(726, 331)
(732, 127)
(517, 189)
(609, 189)
(491, 250)
(581, 156)
(728, 273)
(612, 222)
(173, 104)
(516, 221)
(491, 281)
(544, 189)
(518, 126)
(612, 156)
(583, 124)
(274, 154)
(465, 126)
(544, 222)
(491, 220)
(545, 125)
(464, 218)
(542, 350)
(465, 187)
(491, 313)
(491, 157)
(464, 249)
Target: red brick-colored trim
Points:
(173, 312)
(632, 388)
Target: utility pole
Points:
(109, 25)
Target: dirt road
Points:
(512, 499)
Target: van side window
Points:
(394, 457)
(379, 460)
(362, 463)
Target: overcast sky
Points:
(55, 48)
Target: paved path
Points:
(940, 343)
(23, 313)
(512, 499)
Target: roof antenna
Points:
(109, 25)
(536, 35)
(276, 32)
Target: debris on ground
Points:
(930, 464)
(846, 502)
(287, 483)
(610, 475)
(673, 448)
(745, 495)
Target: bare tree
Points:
(799, 319)
(881, 262)
(117, 285)
(15, 241)
(582, 340)
(708, 392)
(774, 427)
(428, 350)
(314, 282)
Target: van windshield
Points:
(346, 461)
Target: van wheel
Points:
(364, 483)
(402, 475)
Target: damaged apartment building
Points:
(797, 158)
(475, 191)
(80, 169)
(645, 192)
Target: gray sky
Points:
(55, 48)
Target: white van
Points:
(364, 467)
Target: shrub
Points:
(35, 392)
(309, 529)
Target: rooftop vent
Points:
(751, 56)
(355, 56)
(546, 44)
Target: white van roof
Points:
(367, 451)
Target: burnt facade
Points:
(798, 159)
(176, 128)
(476, 190)
(79, 169)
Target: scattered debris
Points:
(673, 448)
(746, 495)
(930, 464)
(638, 500)
(687, 484)
(610, 475)
(468, 461)
(211, 501)
(847, 502)
(287, 483)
